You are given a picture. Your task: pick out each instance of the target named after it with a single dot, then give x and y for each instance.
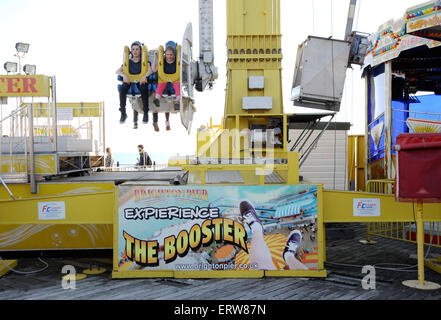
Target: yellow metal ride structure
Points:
(251, 144)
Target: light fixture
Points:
(22, 47)
(30, 69)
(10, 66)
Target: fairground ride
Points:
(40, 144)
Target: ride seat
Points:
(133, 91)
(151, 84)
(169, 91)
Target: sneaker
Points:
(123, 118)
(135, 125)
(249, 214)
(294, 241)
(156, 102)
(155, 125)
(145, 118)
(167, 126)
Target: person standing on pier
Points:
(109, 158)
(144, 158)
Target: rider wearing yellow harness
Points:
(169, 71)
(136, 69)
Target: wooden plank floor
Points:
(343, 283)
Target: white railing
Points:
(132, 168)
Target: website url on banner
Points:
(209, 266)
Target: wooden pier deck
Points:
(342, 283)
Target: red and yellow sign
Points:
(24, 86)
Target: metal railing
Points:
(132, 168)
(385, 186)
(402, 231)
(15, 143)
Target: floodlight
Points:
(10, 66)
(30, 69)
(22, 47)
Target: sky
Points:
(81, 43)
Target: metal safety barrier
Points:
(402, 231)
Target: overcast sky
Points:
(81, 42)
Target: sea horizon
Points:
(129, 158)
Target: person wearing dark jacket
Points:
(144, 158)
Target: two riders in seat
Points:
(138, 73)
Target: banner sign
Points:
(391, 39)
(217, 228)
(24, 86)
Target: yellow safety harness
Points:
(164, 77)
(144, 64)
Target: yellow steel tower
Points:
(254, 124)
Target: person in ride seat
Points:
(135, 68)
(170, 68)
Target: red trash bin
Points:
(418, 167)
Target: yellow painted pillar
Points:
(421, 283)
(293, 168)
(261, 176)
(324, 242)
(420, 243)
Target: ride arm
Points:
(206, 70)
